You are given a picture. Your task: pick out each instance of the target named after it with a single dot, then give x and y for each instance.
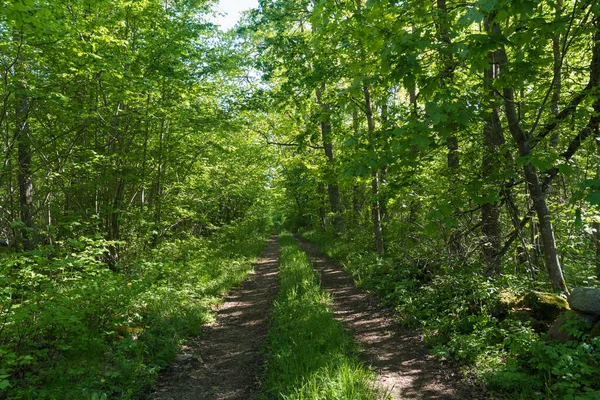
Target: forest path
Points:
(224, 363)
(405, 369)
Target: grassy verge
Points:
(70, 328)
(309, 355)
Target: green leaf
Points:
(593, 198)
(422, 142)
(540, 164)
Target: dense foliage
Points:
(447, 152)
(132, 194)
(464, 317)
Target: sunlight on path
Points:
(405, 368)
(224, 363)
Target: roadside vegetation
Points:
(495, 329)
(132, 195)
(309, 356)
(74, 329)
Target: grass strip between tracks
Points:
(308, 354)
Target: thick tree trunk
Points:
(375, 208)
(493, 138)
(333, 190)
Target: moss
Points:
(544, 306)
(506, 300)
(508, 297)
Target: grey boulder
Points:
(586, 300)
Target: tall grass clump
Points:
(309, 355)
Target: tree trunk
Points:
(383, 170)
(23, 140)
(333, 190)
(536, 192)
(493, 138)
(356, 192)
(158, 184)
(557, 66)
(375, 209)
(597, 224)
(114, 230)
(446, 77)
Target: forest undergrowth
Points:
(462, 316)
(74, 329)
(308, 355)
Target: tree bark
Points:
(333, 190)
(446, 77)
(493, 138)
(23, 140)
(356, 192)
(383, 171)
(557, 67)
(375, 208)
(536, 193)
(597, 224)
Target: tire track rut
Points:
(406, 370)
(224, 363)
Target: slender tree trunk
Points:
(446, 77)
(145, 157)
(333, 190)
(593, 128)
(158, 187)
(415, 206)
(356, 192)
(557, 66)
(597, 224)
(383, 171)
(375, 209)
(23, 140)
(536, 192)
(493, 138)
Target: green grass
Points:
(309, 355)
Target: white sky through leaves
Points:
(233, 9)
